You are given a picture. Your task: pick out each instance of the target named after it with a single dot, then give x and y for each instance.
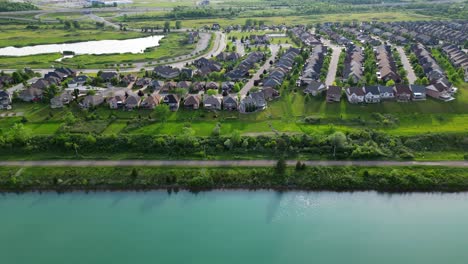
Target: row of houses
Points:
(241, 71)
(386, 64)
(377, 93)
(35, 91)
(281, 68)
(440, 86)
(129, 101)
(353, 63)
(458, 58)
(313, 65)
(307, 38)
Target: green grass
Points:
(292, 19)
(19, 36)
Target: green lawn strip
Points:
(394, 179)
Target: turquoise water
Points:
(233, 227)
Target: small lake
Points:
(234, 227)
(137, 45)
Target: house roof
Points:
(373, 89)
(355, 90)
(192, 100)
(334, 90)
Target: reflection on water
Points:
(137, 45)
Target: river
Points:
(137, 45)
(233, 227)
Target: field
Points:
(292, 19)
(19, 36)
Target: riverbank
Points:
(343, 178)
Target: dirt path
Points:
(222, 163)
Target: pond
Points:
(137, 45)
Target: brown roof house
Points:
(192, 101)
(92, 101)
(151, 101)
(133, 101)
(402, 92)
(117, 101)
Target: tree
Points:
(76, 94)
(67, 25)
(50, 92)
(390, 83)
(18, 134)
(162, 112)
(69, 118)
(167, 26)
(17, 78)
(178, 24)
(280, 167)
(337, 140)
(212, 92)
(76, 24)
(236, 137)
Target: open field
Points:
(382, 16)
(19, 36)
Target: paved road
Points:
(407, 65)
(222, 163)
(20, 86)
(274, 50)
(333, 62)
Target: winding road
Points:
(224, 163)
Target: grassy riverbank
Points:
(392, 179)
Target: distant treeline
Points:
(6, 6)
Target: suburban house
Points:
(166, 72)
(92, 101)
(270, 93)
(117, 101)
(386, 92)
(60, 100)
(212, 102)
(192, 101)
(108, 76)
(142, 82)
(78, 81)
(314, 88)
(172, 101)
(333, 94)
(402, 92)
(156, 85)
(151, 101)
(31, 94)
(212, 85)
(230, 103)
(259, 99)
(418, 92)
(133, 101)
(228, 56)
(439, 91)
(227, 86)
(372, 94)
(355, 95)
(5, 100)
(253, 102)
